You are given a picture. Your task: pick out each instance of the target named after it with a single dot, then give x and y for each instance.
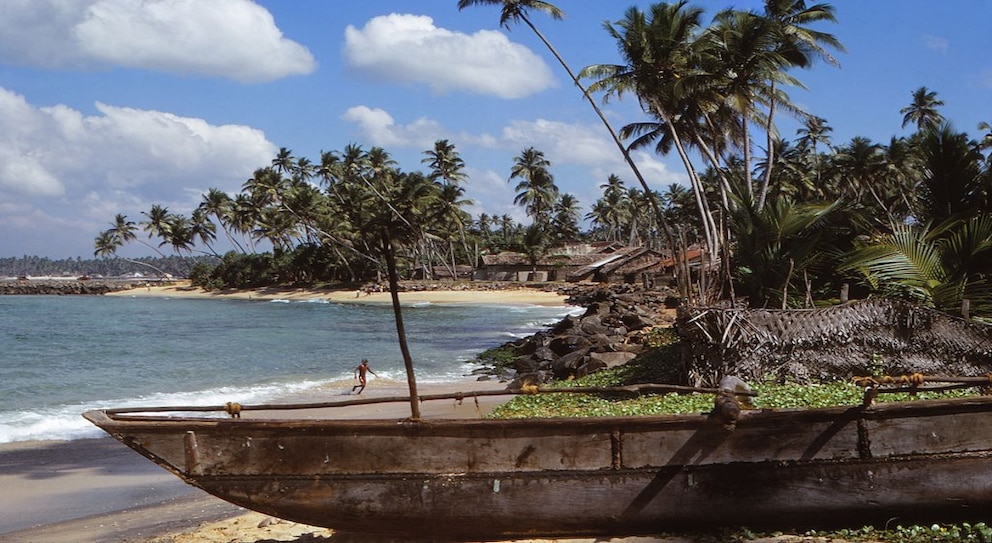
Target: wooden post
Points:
(965, 308)
(192, 453)
(844, 292)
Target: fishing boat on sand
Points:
(491, 479)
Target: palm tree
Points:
(536, 190)
(565, 223)
(660, 49)
(284, 161)
(203, 229)
(798, 46)
(952, 182)
(445, 164)
(612, 210)
(940, 266)
(218, 204)
(776, 245)
(517, 10)
(157, 224)
(923, 110)
(814, 132)
(107, 243)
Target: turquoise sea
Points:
(62, 355)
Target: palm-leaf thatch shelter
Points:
(856, 338)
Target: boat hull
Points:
(923, 461)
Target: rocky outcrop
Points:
(609, 333)
(60, 287)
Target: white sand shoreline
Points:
(517, 296)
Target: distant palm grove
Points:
(781, 220)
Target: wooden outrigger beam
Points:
(633, 390)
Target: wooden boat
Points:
(459, 479)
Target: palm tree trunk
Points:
(411, 379)
(662, 221)
(766, 180)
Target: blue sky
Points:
(111, 106)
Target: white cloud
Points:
(573, 143)
(57, 162)
(235, 39)
(378, 127)
(410, 49)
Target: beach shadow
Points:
(48, 460)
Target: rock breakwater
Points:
(64, 287)
(611, 332)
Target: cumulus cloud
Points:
(562, 142)
(378, 127)
(402, 48)
(122, 160)
(235, 39)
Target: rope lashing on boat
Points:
(913, 384)
(914, 380)
(233, 409)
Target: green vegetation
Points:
(788, 220)
(39, 266)
(659, 365)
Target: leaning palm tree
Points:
(156, 223)
(109, 241)
(218, 204)
(661, 50)
(517, 11)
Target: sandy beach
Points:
(517, 296)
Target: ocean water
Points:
(62, 355)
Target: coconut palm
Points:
(203, 229)
(217, 203)
(776, 246)
(940, 266)
(284, 161)
(798, 45)
(612, 210)
(952, 183)
(518, 11)
(536, 189)
(445, 164)
(660, 49)
(922, 111)
(565, 220)
(108, 242)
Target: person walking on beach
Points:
(360, 372)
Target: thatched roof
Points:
(834, 342)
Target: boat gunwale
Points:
(885, 410)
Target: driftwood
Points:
(857, 338)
